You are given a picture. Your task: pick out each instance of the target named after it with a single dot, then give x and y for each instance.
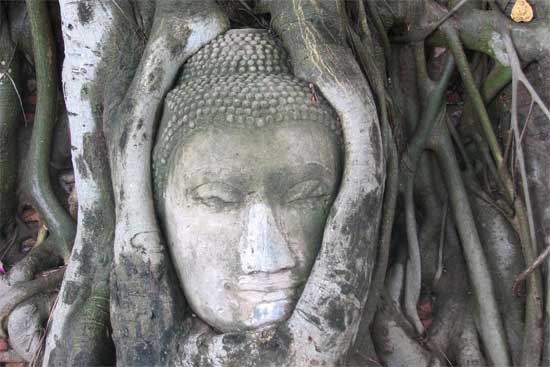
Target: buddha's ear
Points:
(339, 282)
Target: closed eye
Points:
(217, 195)
(310, 191)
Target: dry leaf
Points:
(522, 11)
(30, 215)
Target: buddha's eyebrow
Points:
(204, 174)
(299, 173)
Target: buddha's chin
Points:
(252, 316)
(269, 313)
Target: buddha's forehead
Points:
(296, 151)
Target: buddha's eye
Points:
(311, 192)
(217, 195)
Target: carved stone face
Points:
(245, 217)
(246, 166)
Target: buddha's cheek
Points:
(303, 227)
(204, 247)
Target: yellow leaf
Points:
(522, 11)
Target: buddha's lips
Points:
(283, 282)
(258, 297)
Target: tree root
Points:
(141, 282)
(26, 324)
(23, 291)
(40, 258)
(467, 349)
(451, 300)
(533, 331)
(490, 324)
(409, 162)
(79, 327)
(332, 68)
(374, 74)
(60, 224)
(393, 341)
(395, 279)
(413, 269)
(489, 278)
(9, 120)
(503, 249)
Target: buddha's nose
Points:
(262, 246)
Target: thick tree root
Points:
(135, 289)
(141, 280)
(374, 69)
(23, 291)
(79, 328)
(467, 349)
(505, 258)
(490, 323)
(26, 324)
(60, 225)
(395, 345)
(39, 259)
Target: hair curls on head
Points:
(242, 80)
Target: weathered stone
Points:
(249, 93)
(246, 166)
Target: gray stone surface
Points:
(247, 164)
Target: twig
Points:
(515, 64)
(527, 119)
(38, 351)
(439, 270)
(448, 15)
(250, 12)
(459, 144)
(469, 83)
(532, 342)
(423, 34)
(516, 71)
(139, 31)
(19, 98)
(508, 145)
(11, 242)
(373, 10)
(7, 74)
(474, 189)
(524, 274)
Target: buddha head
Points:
(246, 165)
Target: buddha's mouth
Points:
(265, 287)
(275, 295)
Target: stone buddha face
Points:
(246, 167)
